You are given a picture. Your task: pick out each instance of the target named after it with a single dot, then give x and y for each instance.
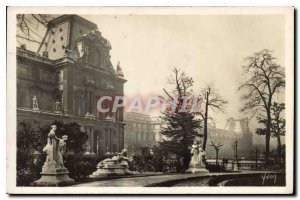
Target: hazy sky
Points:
(209, 48)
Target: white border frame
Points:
(11, 98)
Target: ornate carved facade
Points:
(69, 73)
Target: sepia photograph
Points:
(150, 100)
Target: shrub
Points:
(80, 165)
(215, 168)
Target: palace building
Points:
(141, 130)
(64, 79)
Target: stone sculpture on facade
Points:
(197, 163)
(57, 107)
(35, 106)
(115, 166)
(53, 172)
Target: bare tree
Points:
(211, 100)
(29, 26)
(217, 149)
(264, 79)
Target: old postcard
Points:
(139, 100)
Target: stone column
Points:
(91, 102)
(88, 102)
(92, 140)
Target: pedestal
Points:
(197, 169)
(110, 168)
(55, 177)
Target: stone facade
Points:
(141, 129)
(69, 73)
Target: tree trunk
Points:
(205, 123)
(268, 135)
(279, 145)
(279, 150)
(217, 157)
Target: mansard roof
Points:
(76, 18)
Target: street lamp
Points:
(235, 160)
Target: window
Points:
(54, 50)
(60, 29)
(61, 38)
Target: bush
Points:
(80, 165)
(28, 140)
(24, 177)
(142, 161)
(215, 168)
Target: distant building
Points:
(236, 129)
(64, 79)
(141, 130)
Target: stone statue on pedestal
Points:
(115, 166)
(197, 163)
(53, 172)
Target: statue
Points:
(197, 163)
(35, 105)
(195, 152)
(201, 156)
(53, 172)
(115, 166)
(119, 70)
(49, 151)
(61, 150)
(57, 107)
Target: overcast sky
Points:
(209, 48)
